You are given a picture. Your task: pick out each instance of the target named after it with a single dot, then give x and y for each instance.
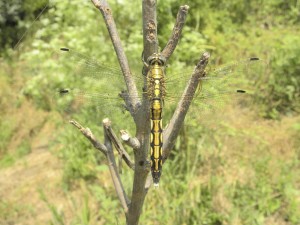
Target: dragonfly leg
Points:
(144, 62)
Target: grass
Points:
(242, 169)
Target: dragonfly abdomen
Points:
(156, 140)
(156, 93)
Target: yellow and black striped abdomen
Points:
(156, 91)
(156, 141)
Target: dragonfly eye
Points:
(153, 62)
(156, 59)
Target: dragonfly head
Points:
(156, 59)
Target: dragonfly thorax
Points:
(156, 80)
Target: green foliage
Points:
(193, 203)
(6, 134)
(10, 158)
(195, 187)
(57, 215)
(109, 211)
(198, 189)
(8, 210)
(16, 17)
(280, 94)
(257, 197)
(24, 148)
(83, 210)
(78, 156)
(7, 160)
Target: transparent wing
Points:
(224, 75)
(219, 88)
(99, 85)
(92, 69)
(90, 87)
(85, 106)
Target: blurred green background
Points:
(241, 167)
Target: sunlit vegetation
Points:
(237, 166)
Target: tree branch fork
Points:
(139, 110)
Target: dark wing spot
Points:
(65, 49)
(63, 91)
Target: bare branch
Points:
(143, 126)
(149, 30)
(171, 132)
(132, 142)
(173, 40)
(108, 151)
(149, 27)
(113, 168)
(118, 145)
(106, 12)
(89, 135)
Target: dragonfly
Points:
(156, 93)
(97, 84)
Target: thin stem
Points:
(106, 12)
(130, 141)
(120, 148)
(174, 38)
(171, 132)
(108, 151)
(113, 168)
(89, 135)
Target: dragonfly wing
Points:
(94, 70)
(75, 103)
(220, 87)
(226, 74)
(90, 86)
